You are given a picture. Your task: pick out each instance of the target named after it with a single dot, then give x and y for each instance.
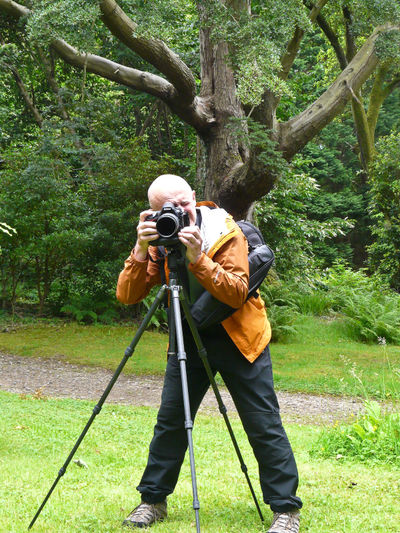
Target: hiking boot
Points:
(145, 514)
(285, 523)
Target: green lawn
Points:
(320, 360)
(37, 436)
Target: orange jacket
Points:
(224, 272)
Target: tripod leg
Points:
(203, 356)
(186, 403)
(128, 352)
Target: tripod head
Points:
(176, 259)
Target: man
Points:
(216, 258)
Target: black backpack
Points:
(207, 310)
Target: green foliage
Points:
(370, 318)
(159, 319)
(54, 19)
(75, 222)
(370, 310)
(374, 438)
(80, 315)
(281, 309)
(37, 197)
(8, 230)
(385, 209)
(258, 138)
(311, 301)
(282, 218)
(256, 42)
(371, 13)
(334, 167)
(176, 22)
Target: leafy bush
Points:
(369, 317)
(370, 308)
(160, 317)
(372, 437)
(281, 309)
(311, 301)
(80, 315)
(85, 309)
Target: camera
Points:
(169, 221)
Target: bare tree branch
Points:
(294, 44)
(154, 51)
(30, 104)
(25, 95)
(333, 39)
(379, 92)
(298, 131)
(350, 43)
(14, 9)
(136, 79)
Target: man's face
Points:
(184, 198)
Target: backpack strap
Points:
(207, 310)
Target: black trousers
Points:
(252, 390)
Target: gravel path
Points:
(58, 379)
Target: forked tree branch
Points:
(298, 131)
(154, 51)
(183, 102)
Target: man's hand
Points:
(146, 232)
(191, 238)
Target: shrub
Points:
(373, 437)
(160, 317)
(281, 309)
(370, 309)
(371, 317)
(86, 309)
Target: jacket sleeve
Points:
(226, 275)
(136, 280)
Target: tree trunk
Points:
(223, 156)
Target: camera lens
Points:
(167, 225)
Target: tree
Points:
(36, 192)
(246, 52)
(385, 208)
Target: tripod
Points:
(178, 299)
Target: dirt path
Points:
(55, 378)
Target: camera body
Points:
(169, 222)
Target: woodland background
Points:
(95, 103)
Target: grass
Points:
(94, 345)
(320, 360)
(37, 436)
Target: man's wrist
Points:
(197, 259)
(140, 253)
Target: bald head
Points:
(166, 184)
(171, 188)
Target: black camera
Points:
(169, 221)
